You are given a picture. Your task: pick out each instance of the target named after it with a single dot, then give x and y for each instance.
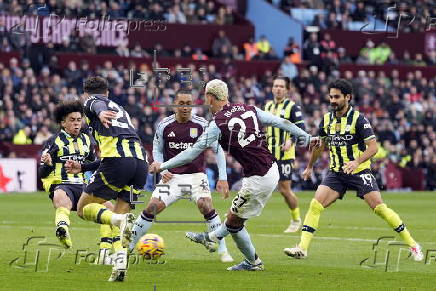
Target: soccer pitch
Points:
(347, 232)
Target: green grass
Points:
(345, 237)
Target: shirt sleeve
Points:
(221, 163)
(321, 131)
(364, 129)
(269, 119)
(205, 141)
(158, 145)
(51, 148)
(95, 105)
(296, 117)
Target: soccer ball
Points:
(151, 246)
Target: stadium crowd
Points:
(172, 11)
(407, 16)
(402, 112)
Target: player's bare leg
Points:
(375, 202)
(62, 203)
(213, 221)
(324, 197)
(292, 201)
(145, 220)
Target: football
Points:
(151, 246)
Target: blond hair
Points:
(218, 89)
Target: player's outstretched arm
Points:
(314, 156)
(222, 185)
(206, 140)
(303, 138)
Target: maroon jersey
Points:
(243, 138)
(172, 137)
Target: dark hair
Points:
(66, 107)
(95, 85)
(286, 79)
(343, 85)
(182, 91)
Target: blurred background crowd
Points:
(402, 110)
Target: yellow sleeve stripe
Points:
(370, 137)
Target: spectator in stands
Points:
(292, 51)
(42, 135)
(236, 55)
(175, 15)
(122, 49)
(87, 43)
(319, 21)
(156, 12)
(137, 51)
(359, 13)
(219, 42)
(199, 55)
(263, 45)
(327, 45)
(312, 49)
(288, 69)
(23, 136)
(250, 49)
(139, 12)
(343, 58)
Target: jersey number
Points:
(241, 134)
(120, 113)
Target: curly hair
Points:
(66, 107)
(95, 85)
(343, 85)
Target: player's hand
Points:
(286, 145)
(73, 167)
(223, 187)
(46, 159)
(106, 117)
(155, 168)
(349, 167)
(307, 174)
(315, 142)
(166, 176)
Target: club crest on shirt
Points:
(193, 132)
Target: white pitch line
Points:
(354, 239)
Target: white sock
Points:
(116, 219)
(140, 227)
(213, 224)
(243, 241)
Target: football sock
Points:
(310, 223)
(99, 214)
(140, 227)
(213, 221)
(394, 221)
(62, 216)
(105, 236)
(220, 232)
(116, 241)
(243, 242)
(295, 213)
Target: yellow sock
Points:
(97, 213)
(310, 223)
(394, 221)
(116, 242)
(295, 214)
(105, 236)
(62, 216)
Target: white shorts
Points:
(183, 186)
(255, 193)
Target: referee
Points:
(280, 144)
